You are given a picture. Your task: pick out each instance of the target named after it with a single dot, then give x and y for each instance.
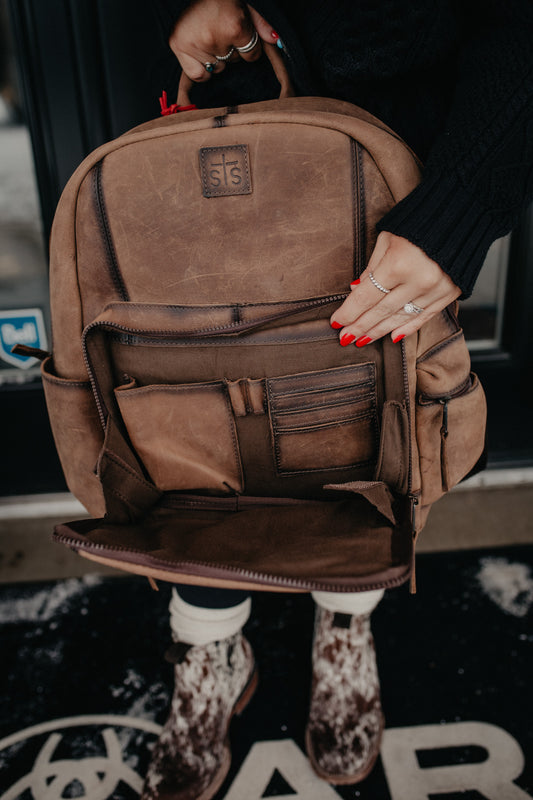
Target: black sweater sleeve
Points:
(478, 177)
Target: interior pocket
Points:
(324, 420)
(184, 435)
(393, 461)
(450, 432)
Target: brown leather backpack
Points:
(202, 407)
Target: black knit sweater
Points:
(453, 77)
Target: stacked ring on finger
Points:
(377, 284)
(227, 56)
(251, 44)
(410, 308)
(210, 66)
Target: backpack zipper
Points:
(232, 327)
(244, 574)
(412, 497)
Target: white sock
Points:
(198, 625)
(355, 603)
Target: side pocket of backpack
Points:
(78, 434)
(450, 417)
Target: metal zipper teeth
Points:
(95, 388)
(253, 577)
(409, 418)
(359, 211)
(232, 326)
(218, 504)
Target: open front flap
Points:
(376, 492)
(344, 545)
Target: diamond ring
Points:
(410, 308)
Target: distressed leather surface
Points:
(195, 263)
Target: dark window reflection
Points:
(23, 273)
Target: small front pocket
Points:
(184, 435)
(324, 420)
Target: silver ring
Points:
(227, 56)
(210, 66)
(410, 308)
(377, 284)
(251, 44)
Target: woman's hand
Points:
(210, 28)
(411, 276)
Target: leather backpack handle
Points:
(276, 61)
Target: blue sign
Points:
(21, 326)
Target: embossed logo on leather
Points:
(225, 170)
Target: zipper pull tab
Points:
(165, 110)
(412, 580)
(174, 108)
(29, 352)
(444, 427)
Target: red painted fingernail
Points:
(275, 36)
(399, 338)
(336, 325)
(347, 339)
(354, 283)
(362, 341)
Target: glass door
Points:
(28, 462)
(482, 314)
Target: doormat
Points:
(84, 687)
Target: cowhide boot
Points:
(212, 683)
(346, 722)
